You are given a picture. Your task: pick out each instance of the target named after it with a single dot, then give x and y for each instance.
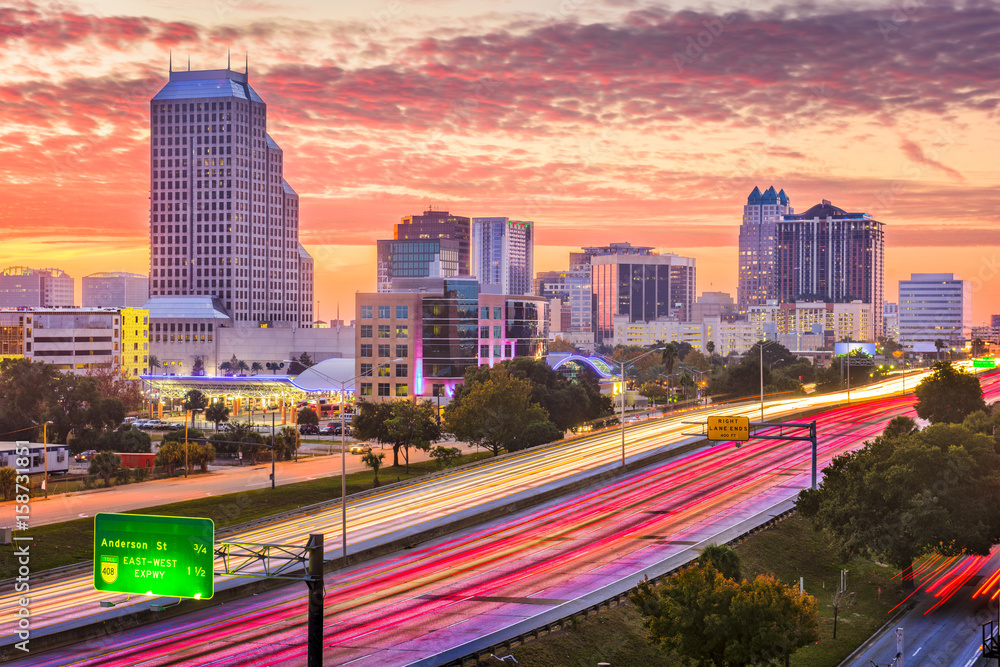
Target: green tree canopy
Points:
(711, 620)
(373, 461)
(901, 496)
(105, 465)
(307, 415)
(949, 395)
(494, 413)
(217, 413)
(194, 402)
(723, 558)
(369, 421)
(410, 425)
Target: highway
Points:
(401, 608)
(72, 597)
(709, 493)
(944, 627)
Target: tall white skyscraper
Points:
(223, 221)
(502, 254)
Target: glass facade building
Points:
(415, 258)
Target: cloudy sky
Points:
(601, 120)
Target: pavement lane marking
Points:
(917, 651)
(974, 658)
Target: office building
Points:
(642, 286)
(828, 254)
(78, 340)
(418, 340)
(995, 321)
(415, 258)
(21, 287)
(758, 235)
(714, 304)
(890, 320)
(572, 288)
(502, 255)
(115, 290)
(223, 221)
(932, 307)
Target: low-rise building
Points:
(115, 290)
(21, 287)
(78, 340)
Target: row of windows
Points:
(384, 331)
(187, 326)
(384, 312)
(181, 338)
(383, 389)
(383, 351)
(367, 370)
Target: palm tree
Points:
(940, 345)
(217, 412)
(256, 367)
(710, 346)
(226, 368)
(242, 366)
(669, 356)
(154, 361)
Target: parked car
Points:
(360, 449)
(309, 429)
(85, 456)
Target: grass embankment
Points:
(789, 549)
(72, 542)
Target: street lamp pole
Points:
(45, 456)
(623, 362)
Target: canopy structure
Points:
(603, 369)
(263, 387)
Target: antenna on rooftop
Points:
(189, 62)
(246, 67)
(229, 59)
(171, 61)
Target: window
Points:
(383, 388)
(383, 312)
(383, 351)
(496, 331)
(383, 331)
(401, 390)
(366, 331)
(484, 331)
(366, 314)
(366, 350)
(496, 350)
(402, 312)
(366, 369)
(484, 312)
(498, 312)
(401, 370)
(484, 351)
(402, 331)
(402, 351)
(366, 388)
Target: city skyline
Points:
(530, 114)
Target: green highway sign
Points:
(985, 362)
(143, 554)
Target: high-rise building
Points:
(21, 287)
(932, 307)
(995, 321)
(415, 258)
(115, 290)
(758, 234)
(223, 221)
(827, 254)
(642, 286)
(502, 256)
(890, 319)
(714, 304)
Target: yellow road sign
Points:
(729, 428)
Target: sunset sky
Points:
(602, 121)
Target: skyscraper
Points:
(828, 254)
(757, 247)
(223, 221)
(934, 306)
(502, 255)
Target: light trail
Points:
(401, 607)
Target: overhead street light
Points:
(622, 363)
(343, 450)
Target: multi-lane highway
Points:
(458, 588)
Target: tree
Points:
(669, 356)
(446, 456)
(153, 361)
(195, 402)
(170, 455)
(199, 454)
(940, 345)
(274, 366)
(105, 465)
(242, 367)
(286, 444)
(199, 365)
(227, 368)
(217, 413)
(8, 482)
(723, 558)
(710, 348)
(494, 413)
(373, 461)
(903, 495)
(559, 345)
(307, 415)
(948, 395)
(711, 620)
(128, 439)
(178, 436)
(654, 391)
(411, 424)
(256, 367)
(536, 433)
(113, 383)
(28, 394)
(299, 365)
(369, 421)
(900, 425)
